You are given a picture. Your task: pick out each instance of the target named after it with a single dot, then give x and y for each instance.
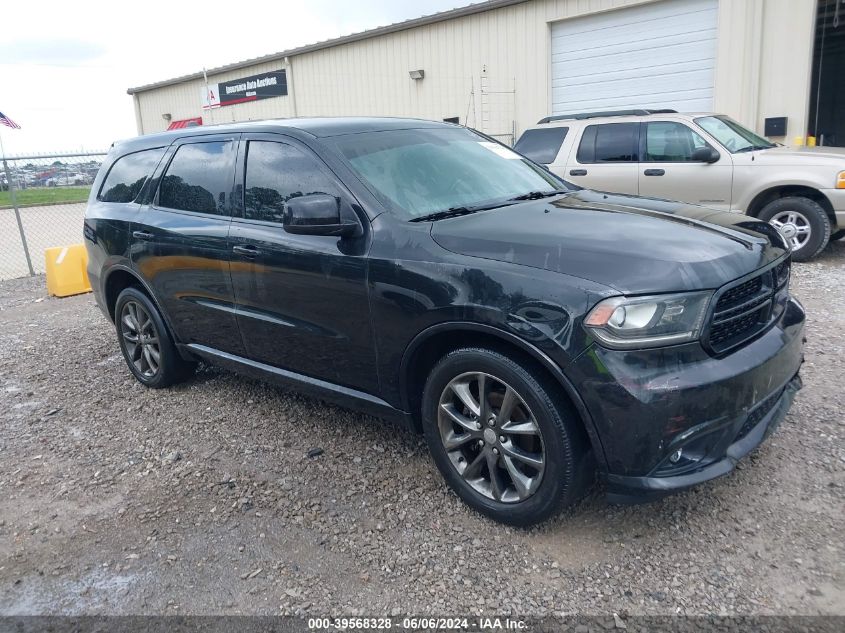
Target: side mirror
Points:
(705, 155)
(317, 214)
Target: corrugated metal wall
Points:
(492, 70)
(183, 101)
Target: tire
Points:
(135, 311)
(838, 235)
(803, 215)
(558, 440)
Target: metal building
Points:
(501, 65)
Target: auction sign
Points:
(253, 88)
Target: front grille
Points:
(757, 414)
(729, 330)
(739, 293)
(745, 309)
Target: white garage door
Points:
(659, 55)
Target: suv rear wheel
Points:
(802, 222)
(145, 342)
(501, 439)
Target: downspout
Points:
(289, 78)
(139, 121)
(756, 62)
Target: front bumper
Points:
(647, 405)
(626, 489)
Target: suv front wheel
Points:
(802, 222)
(503, 440)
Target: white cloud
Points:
(69, 93)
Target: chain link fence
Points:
(42, 204)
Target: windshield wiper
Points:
(536, 195)
(753, 148)
(453, 212)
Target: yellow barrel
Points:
(66, 273)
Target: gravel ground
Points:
(202, 498)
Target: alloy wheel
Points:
(491, 437)
(140, 339)
(794, 227)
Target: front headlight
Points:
(631, 322)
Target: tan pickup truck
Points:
(705, 159)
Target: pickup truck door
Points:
(667, 169)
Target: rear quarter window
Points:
(542, 144)
(128, 174)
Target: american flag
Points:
(4, 120)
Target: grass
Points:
(45, 195)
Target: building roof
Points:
(471, 9)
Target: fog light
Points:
(676, 456)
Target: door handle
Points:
(142, 235)
(577, 172)
(246, 251)
(654, 172)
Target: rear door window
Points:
(542, 144)
(199, 178)
(128, 174)
(609, 143)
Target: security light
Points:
(416, 74)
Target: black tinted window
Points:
(541, 145)
(609, 143)
(198, 178)
(128, 175)
(275, 173)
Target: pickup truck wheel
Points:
(802, 222)
(146, 343)
(838, 235)
(501, 439)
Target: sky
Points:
(65, 66)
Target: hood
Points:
(805, 156)
(634, 245)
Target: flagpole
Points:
(14, 198)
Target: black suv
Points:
(535, 332)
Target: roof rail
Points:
(594, 115)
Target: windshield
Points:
(731, 134)
(419, 172)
